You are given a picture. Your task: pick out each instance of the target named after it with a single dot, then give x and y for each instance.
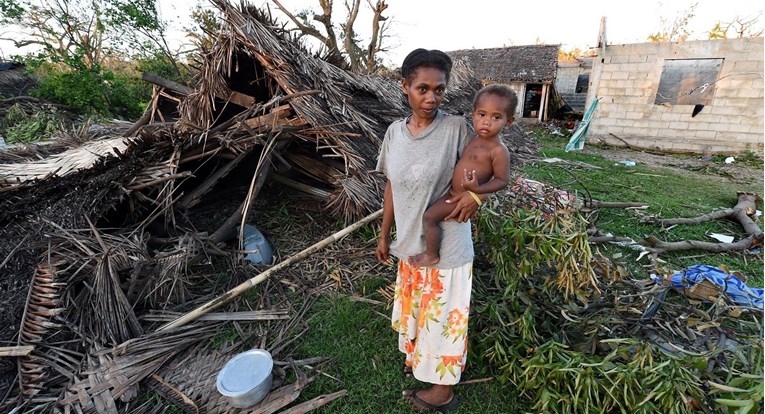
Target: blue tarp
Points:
(735, 289)
(577, 139)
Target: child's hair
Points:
(503, 91)
(423, 58)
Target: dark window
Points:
(688, 81)
(582, 81)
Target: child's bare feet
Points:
(423, 260)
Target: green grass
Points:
(368, 365)
(669, 194)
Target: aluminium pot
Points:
(246, 378)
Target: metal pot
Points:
(246, 379)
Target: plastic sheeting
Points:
(579, 136)
(734, 288)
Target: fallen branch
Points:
(745, 207)
(715, 215)
(659, 246)
(168, 84)
(264, 315)
(238, 290)
(739, 213)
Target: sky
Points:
(452, 25)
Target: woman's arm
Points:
(383, 245)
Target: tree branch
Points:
(740, 213)
(659, 246)
(334, 56)
(349, 35)
(376, 42)
(309, 30)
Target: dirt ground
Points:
(690, 165)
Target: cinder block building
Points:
(694, 96)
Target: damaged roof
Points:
(534, 63)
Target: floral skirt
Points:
(430, 314)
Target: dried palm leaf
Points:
(43, 303)
(166, 283)
(114, 373)
(356, 196)
(65, 163)
(167, 390)
(193, 375)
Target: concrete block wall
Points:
(565, 84)
(628, 77)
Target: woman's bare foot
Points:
(423, 260)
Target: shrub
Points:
(38, 126)
(573, 334)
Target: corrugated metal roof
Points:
(534, 63)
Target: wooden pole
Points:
(238, 290)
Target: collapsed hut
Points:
(101, 229)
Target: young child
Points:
(482, 168)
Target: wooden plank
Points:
(280, 112)
(22, 350)
(315, 168)
(245, 101)
(165, 83)
(195, 196)
(316, 192)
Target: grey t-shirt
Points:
(420, 170)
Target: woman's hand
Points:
(382, 252)
(465, 207)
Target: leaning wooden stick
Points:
(236, 291)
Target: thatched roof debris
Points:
(105, 229)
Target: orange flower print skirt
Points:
(430, 314)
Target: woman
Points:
(431, 304)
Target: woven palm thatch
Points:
(68, 161)
(345, 115)
(114, 373)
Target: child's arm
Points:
(383, 245)
(500, 164)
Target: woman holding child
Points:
(432, 298)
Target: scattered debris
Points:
(708, 282)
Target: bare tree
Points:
(62, 28)
(343, 49)
(82, 34)
(675, 30)
(378, 33)
(743, 26)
